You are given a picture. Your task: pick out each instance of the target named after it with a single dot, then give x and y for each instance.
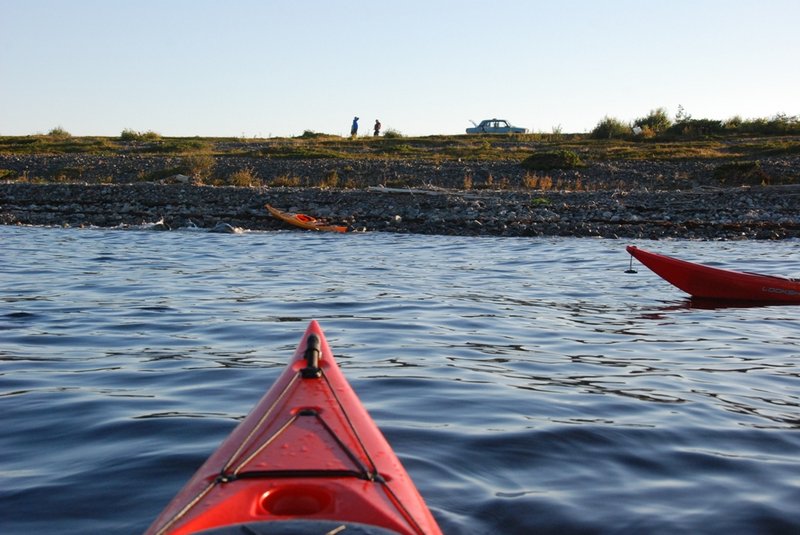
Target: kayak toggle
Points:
(312, 369)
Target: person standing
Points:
(354, 127)
(377, 128)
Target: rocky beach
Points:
(680, 198)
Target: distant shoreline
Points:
(705, 213)
(726, 188)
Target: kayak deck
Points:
(308, 451)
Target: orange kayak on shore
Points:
(307, 459)
(706, 282)
(303, 221)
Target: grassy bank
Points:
(430, 148)
(520, 161)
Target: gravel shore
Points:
(640, 200)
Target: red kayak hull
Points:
(706, 282)
(303, 221)
(307, 451)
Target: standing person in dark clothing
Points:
(377, 128)
(354, 128)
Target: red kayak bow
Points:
(708, 282)
(308, 453)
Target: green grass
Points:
(57, 145)
(436, 149)
(170, 146)
(546, 161)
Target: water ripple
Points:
(527, 384)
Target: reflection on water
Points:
(525, 383)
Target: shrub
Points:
(133, 135)
(545, 161)
(400, 148)
(68, 174)
(331, 179)
(682, 116)
(696, 128)
(199, 166)
(780, 124)
(391, 133)
(783, 124)
(530, 180)
(741, 173)
(733, 124)
(243, 177)
(611, 128)
(656, 122)
(534, 181)
(289, 181)
(59, 133)
(310, 134)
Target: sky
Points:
(275, 68)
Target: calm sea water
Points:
(528, 385)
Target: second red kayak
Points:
(708, 282)
(303, 221)
(308, 458)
